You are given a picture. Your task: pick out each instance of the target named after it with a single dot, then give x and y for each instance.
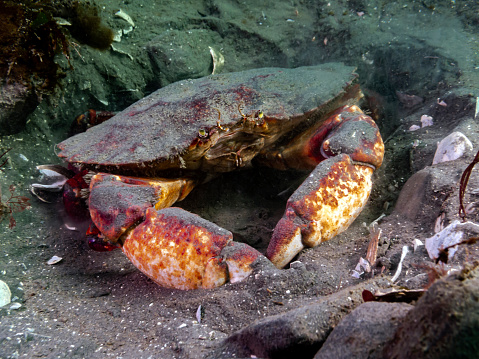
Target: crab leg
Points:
(334, 194)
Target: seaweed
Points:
(30, 37)
(29, 40)
(88, 28)
(14, 203)
(463, 185)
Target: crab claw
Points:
(327, 202)
(334, 194)
(178, 249)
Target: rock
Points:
(430, 192)
(297, 333)
(412, 195)
(180, 55)
(363, 333)
(444, 323)
(17, 101)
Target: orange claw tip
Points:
(178, 249)
(239, 257)
(286, 241)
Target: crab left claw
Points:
(175, 248)
(178, 249)
(348, 148)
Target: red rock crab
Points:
(152, 154)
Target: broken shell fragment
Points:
(446, 241)
(426, 121)
(417, 243)
(117, 36)
(218, 60)
(15, 306)
(5, 294)
(441, 103)
(54, 260)
(399, 268)
(452, 147)
(120, 13)
(198, 314)
(61, 21)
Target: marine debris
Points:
(463, 184)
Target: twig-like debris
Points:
(4, 161)
(393, 295)
(374, 234)
(398, 270)
(463, 184)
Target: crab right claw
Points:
(175, 248)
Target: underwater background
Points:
(61, 58)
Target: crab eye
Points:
(202, 133)
(260, 114)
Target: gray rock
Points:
(17, 101)
(298, 333)
(444, 323)
(363, 333)
(432, 191)
(179, 55)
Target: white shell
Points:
(15, 306)
(218, 60)
(54, 260)
(417, 243)
(452, 147)
(450, 236)
(198, 314)
(120, 13)
(5, 294)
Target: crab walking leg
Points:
(181, 250)
(327, 202)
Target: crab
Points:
(132, 168)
